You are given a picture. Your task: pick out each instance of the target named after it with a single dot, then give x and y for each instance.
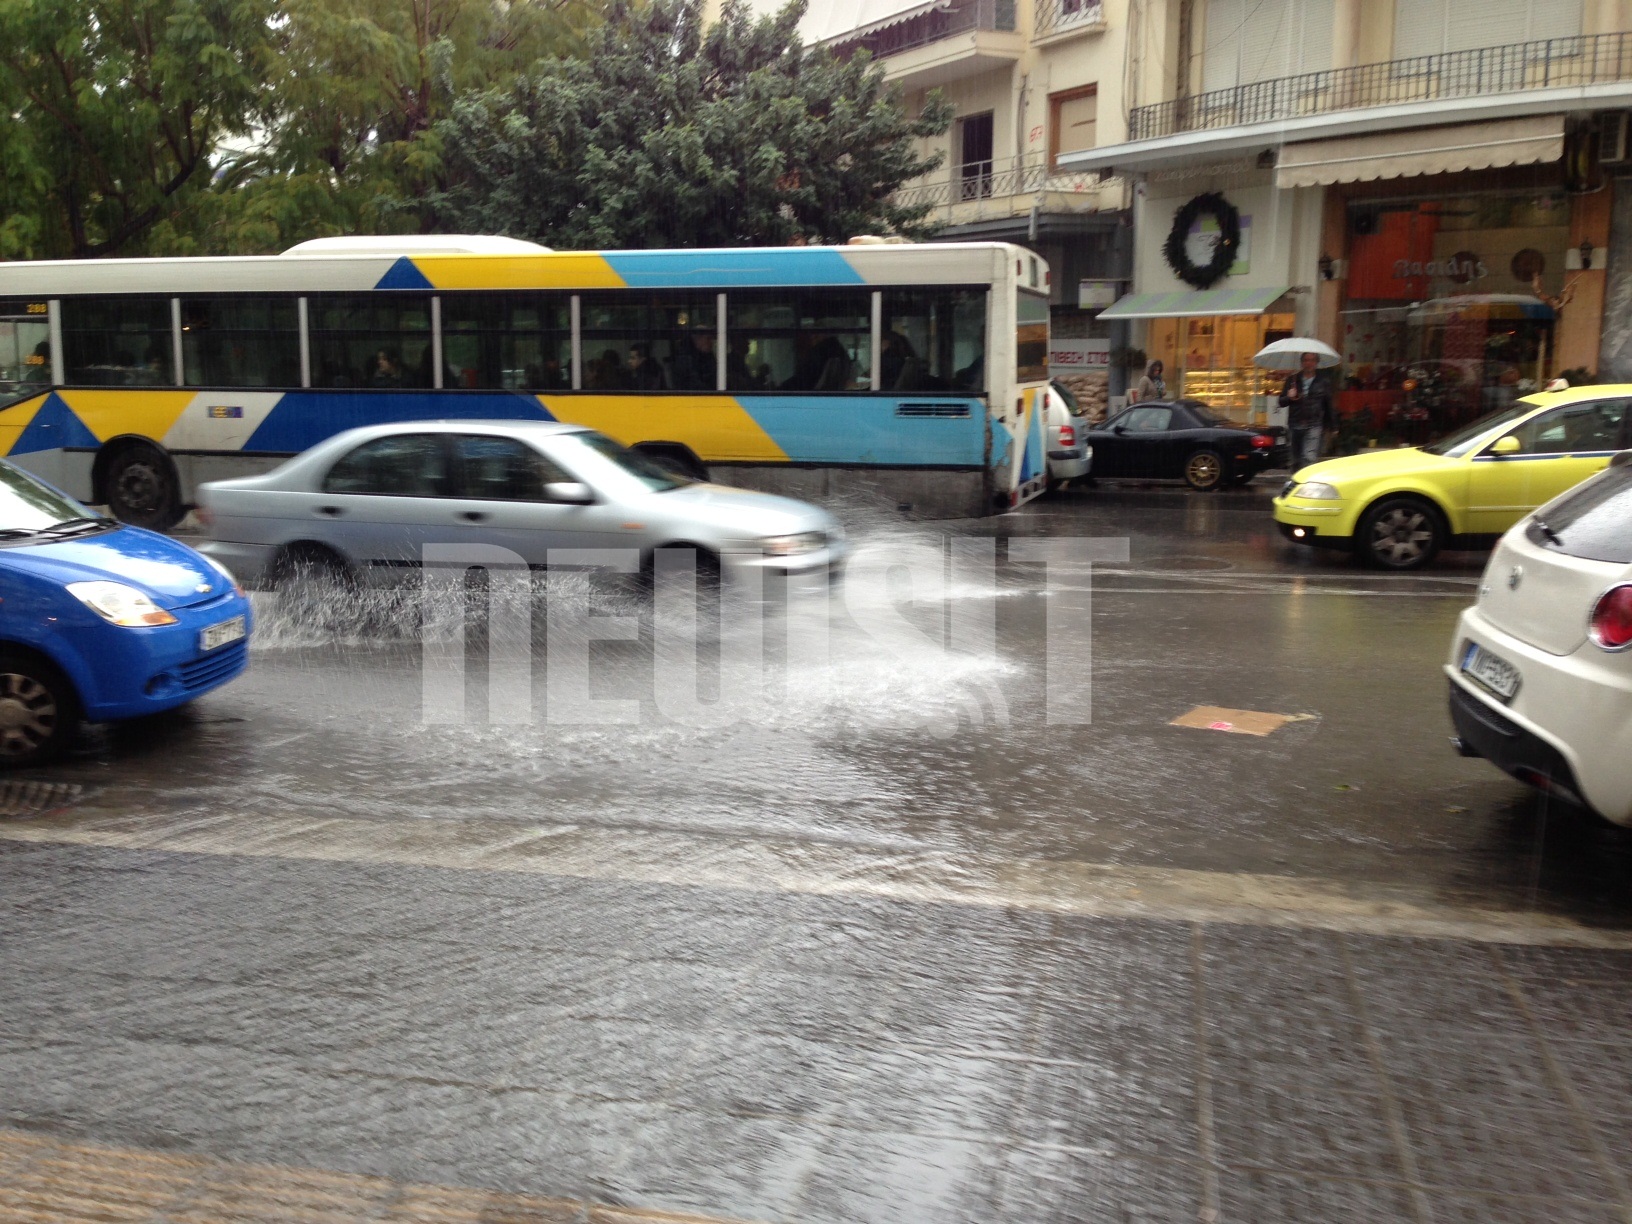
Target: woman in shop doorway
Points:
(1152, 386)
(1310, 410)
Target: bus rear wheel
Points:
(140, 487)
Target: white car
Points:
(1066, 428)
(363, 504)
(1541, 666)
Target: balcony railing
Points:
(1060, 16)
(980, 184)
(961, 18)
(1549, 63)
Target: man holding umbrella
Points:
(1309, 400)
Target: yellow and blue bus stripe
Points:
(718, 428)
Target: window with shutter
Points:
(1247, 41)
(1075, 118)
(1433, 27)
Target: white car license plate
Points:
(1492, 671)
(220, 635)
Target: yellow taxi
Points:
(1397, 508)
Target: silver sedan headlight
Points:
(792, 545)
(1316, 490)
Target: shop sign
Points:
(1096, 294)
(1461, 268)
(1078, 356)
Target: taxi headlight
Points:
(1316, 490)
(791, 545)
(119, 604)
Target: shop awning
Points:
(1193, 302)
(840, 20)
(1416, 151)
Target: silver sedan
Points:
(367, 502)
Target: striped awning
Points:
(1525, 141)
(841, 20)
(1186, 303)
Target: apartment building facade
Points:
(1032, 81)
(1434, 187)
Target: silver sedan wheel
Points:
(28, 715)
(1401, 537)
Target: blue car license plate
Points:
(221, 634)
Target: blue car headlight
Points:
(119, 604)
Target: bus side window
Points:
(378, 340)
(25, 347)
(804, 340)
(240, 342)
(118, 342)
(934, 340)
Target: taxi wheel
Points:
(1401, 533)
(39, 711)
(1204, 470)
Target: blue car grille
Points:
(220, 664)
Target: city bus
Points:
(907, 375)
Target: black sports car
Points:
(1180, 440)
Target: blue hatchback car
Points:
(100, 621)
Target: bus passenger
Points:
(387, 373)
(826, 367)
(694, 367)
(606, 373)
(645, 374)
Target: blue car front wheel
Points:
(39, 710)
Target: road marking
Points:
(49, 1181)
(822, 869)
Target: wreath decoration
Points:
(1203, 276)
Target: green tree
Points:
(344, 140)
(115, 109)
(667, 133)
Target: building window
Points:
(240, 342)
(1247, 41)
(975, 160)
(1073, 122)
(1434, 27)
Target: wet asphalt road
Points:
(891, 946)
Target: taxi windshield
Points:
(1461, 442)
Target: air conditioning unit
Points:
(1614, 138)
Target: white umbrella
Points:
(1288, 354)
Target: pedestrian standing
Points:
(1152, 386)
(1310, 410)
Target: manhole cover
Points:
(37, 798)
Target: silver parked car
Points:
(365, 502)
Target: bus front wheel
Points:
(140, 486)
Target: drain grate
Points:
(37, 798)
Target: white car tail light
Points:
(1068, 435)
(1611, 624)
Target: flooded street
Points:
(848, 929)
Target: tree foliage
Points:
(344, 140)
(667, 133)
(113, 110)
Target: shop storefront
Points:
(1451, 305)
(1216, 281)
(1209, 357)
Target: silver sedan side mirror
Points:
(570, 492)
